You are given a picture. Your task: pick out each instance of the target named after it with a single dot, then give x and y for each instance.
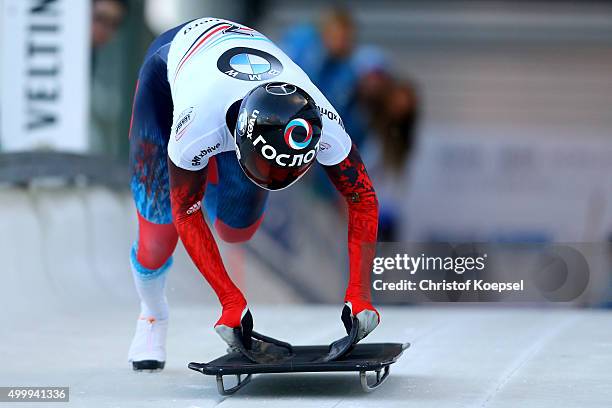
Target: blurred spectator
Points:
(107, 16)
(397, 137)
(326, 54)
(106, 102)
(375, 84)
(387, 153)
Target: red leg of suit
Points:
(156, 243)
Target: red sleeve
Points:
(186, 194)
(352, 181)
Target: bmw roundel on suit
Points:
(213, 63)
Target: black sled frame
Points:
(362, 358)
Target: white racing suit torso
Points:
(213, 63)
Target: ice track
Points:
(68, 314)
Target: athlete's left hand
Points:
(366, 314)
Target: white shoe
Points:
(148, 348)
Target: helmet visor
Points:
(267, 175)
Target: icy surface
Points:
(68, 311)
(459, 358)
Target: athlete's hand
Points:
(235, 327)
(366, 314)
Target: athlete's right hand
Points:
(366, 314)
(235, 327)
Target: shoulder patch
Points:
(182, 122)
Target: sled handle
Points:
(363, 377)
(229, 391)
(272, 340)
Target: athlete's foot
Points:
(148, 348)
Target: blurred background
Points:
(479, 121)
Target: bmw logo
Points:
(249, 64)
